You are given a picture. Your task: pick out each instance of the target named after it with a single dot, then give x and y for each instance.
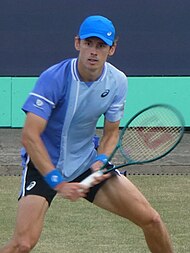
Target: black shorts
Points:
(34, 184)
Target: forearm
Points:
(107, 144)
(108, 140)
(38, 153)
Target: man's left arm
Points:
(107, 143)
(109, 138)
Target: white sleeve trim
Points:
(39, 96)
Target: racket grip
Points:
(88, 181)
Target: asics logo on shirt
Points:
(105, 93)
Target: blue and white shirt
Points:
(72, 109)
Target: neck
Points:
(88, 75)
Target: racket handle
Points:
(88, 181)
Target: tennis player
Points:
(61, 116)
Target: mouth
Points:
(92, 60)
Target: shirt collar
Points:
(75, 73)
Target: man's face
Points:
(93, 52)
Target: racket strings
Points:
(150, 135)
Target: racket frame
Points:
(89, 180)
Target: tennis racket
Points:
(148, 136)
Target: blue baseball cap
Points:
(97, 26)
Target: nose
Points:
(93, 50)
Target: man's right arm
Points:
(31, 140)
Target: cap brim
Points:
(107, 41)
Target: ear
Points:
(77, 43)
(112, 50)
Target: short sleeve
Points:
(116, 109)
(44, 96)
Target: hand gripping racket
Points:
(148, 136)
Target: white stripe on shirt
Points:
(39, 96)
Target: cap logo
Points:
(109, 33)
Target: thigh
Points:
(30, 219)
(120, 196)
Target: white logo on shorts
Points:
(31, 185)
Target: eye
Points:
(102, 45)
(87, 43)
